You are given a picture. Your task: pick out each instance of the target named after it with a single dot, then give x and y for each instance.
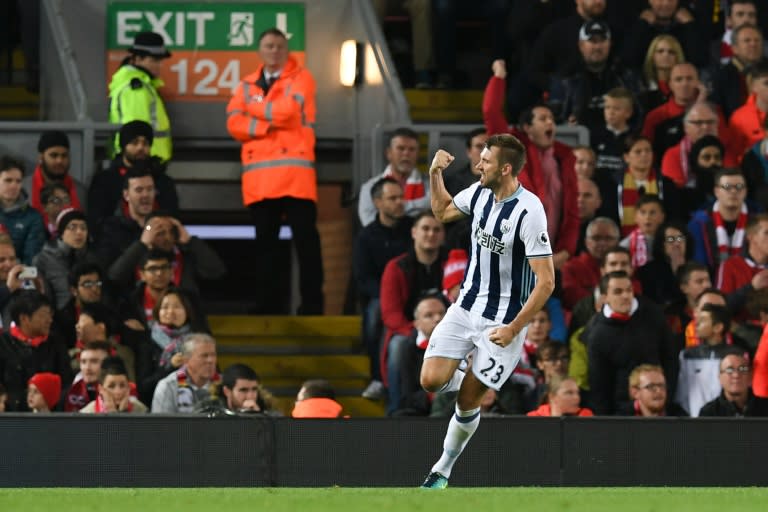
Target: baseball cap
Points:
(594, 28)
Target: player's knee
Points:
(431, 381)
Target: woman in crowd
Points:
(663, 53)
(671, 249)
(563, 399)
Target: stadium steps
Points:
(287, 350)
(16, 102)
(445, 106)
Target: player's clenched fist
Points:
(441, 160)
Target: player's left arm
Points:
(545, 284)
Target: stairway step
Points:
(303, 366)
(282, 386)
(445, 105)
(238, 325)
(287, 345)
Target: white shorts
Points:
(460, 333)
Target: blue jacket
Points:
(26, 228)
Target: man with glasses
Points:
(85, 287)
(700, 120)
(718, 232)
(582, 273)
(736, 398)
(648, 390)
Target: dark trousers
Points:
(301, 215)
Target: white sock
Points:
(460, 429)
(454, 384)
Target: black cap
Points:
(594, 28)
(130, 131)
(149, 44)
(52, 139)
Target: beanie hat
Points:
(49, 385)
(149, 43)
(453, 270)
(66, 216)
(52, 139)
(130, 131)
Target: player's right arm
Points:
(442, 202)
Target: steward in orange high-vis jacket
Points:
(271, 113)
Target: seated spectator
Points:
(96, 323)
(194, 386)
(747, 123)
(664, 17)
(662, 55)
(562, 400)
(316, 399)
(457, 234)
(718, 232)
(609, 139)
(453, 274)
(29, 346)
(10, 270)
(737, 398)
(648, 390)
(588, 202)
(578, 97)
(586, 161)
(692, 279)
(43, 392)
(580, 275)
(84, 388)
(413, 400)
(548, 171)
(705, 159)
(738, 13)
(741, 275)
(700, 120)
(649, 215)
(402, 154)
(671, 249)
(729, 84)
(663, 126)
(242, 392)
(697, 381)
(156, 280)
(54, 198)
(552, 361)
(174, 318)
(193, 259)
(86, 285)
(58, 256)
(114, 391)
(406, 278)
(625, 334)
(389, 235)
(24, 224)
(105, 193)
(637, 179)
(121, 230)
(754, 165)
(53, 167)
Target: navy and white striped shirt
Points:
(505, 235)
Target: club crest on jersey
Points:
(489, 241)
(543, 238)
(506, 226)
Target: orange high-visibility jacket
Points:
(276, 130)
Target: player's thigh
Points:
(492, 364)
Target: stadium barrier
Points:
(164, 451)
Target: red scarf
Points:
(638, 248)
(79, 395)
(149, 304)
(413, 186)
(629, 195)
(38, 183)
(100, 408)
(183, 381)
(664, 88)
(34, 342)
(729, 246)
(685, 149)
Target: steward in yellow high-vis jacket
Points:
(133, 92)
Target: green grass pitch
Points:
(337, 499)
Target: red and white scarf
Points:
(33, 341)
(638, 248)
(413, 187)
(685, 149)
(729, 246)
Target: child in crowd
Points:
(43, 392)
(114, 391)
(608, 142)
(649, 215)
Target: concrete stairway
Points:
(287, 350)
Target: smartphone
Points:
(28, 273)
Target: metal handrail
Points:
(53, 10)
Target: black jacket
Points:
(615, 348)
(721, 407)
(375, 245)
